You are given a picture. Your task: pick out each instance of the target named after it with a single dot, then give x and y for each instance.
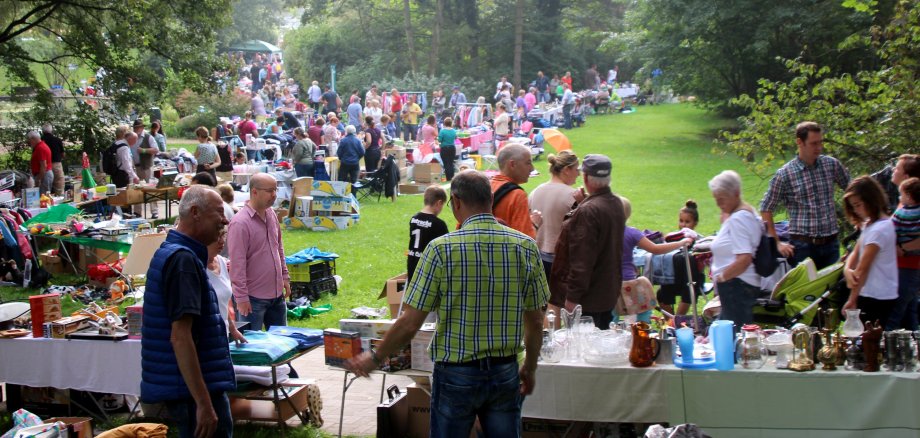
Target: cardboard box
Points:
(52, 263)
(333, 203)
(44, 308)
(340, 345)
(94, 256)
(367, 328)
(62, 327)
(127, 196)
(96, 283)
(331, 223)
(300, 206)
(426, 172)
(413, 189)
(419, 401)
(403, 174)
(77, 427)
(398, 361)
(397, 151)
(297, 223)
(393, 291)
(330, 188)
(301, 186)
(421, 359)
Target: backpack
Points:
(110, 159)
(502, 191)
(766, 255)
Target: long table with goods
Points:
(739, 403)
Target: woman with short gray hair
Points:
(733, 250)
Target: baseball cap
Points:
(596, 165)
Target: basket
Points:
(313, 290)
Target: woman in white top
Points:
(554, 199)
(219, 276)
(373, 110)
(872, 269)
(733, 250)
(206, 153)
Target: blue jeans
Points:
(543, 96)
(904, 313)
(269, 313)
(567, 112)
(410, 132)
(738, 299)
(252, 155)
(183, 412)
(823, 255)
(460, 394)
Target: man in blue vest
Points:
(185, 354)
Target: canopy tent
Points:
(255, 46)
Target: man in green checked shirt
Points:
(486, 283)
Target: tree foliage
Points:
(870, 116)
(474, 39)
(717, 50)
(137, 43)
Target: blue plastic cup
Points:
(685, 342)
(722, 335)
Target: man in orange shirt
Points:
(509, 201)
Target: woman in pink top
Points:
(430, 132)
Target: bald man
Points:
(509, 202)
(259, 275)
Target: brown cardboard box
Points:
(413, 189)
(426, 172)
(94, 256)
(419, 411)
(44, 308)
(77, 427)
(52, 263)
(397, 151)
(301, 186)
(62, 327)
(393, 291)
(403, 174)
(543, 428)
(127, 197)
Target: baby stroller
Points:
(796, 297)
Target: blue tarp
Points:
(305, 337)
(308, 255)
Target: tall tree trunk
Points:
(436, 38)
(470, 10)
(518, 42)
(410, 37)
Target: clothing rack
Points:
(465, 114)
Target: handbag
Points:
(636, 296)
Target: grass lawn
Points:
(662, 156)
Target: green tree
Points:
(870, 116)
(720, 49)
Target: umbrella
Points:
(255, 46)
(556, 139)
(88, 181)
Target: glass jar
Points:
(751, 352)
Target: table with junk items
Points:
(738, 403)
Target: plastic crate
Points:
(314, 289)
(307, 272)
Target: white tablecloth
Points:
(590, 393)
(98, 366)
(742, 403)
(625, 92)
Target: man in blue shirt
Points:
(542, 86)
(184, 347)
(350, 152)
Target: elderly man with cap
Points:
(143, 150)
(590, 245)
(350, 152)
(509, 201)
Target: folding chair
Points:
(370, 185)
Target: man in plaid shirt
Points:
(805, 186)
(487, 284)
